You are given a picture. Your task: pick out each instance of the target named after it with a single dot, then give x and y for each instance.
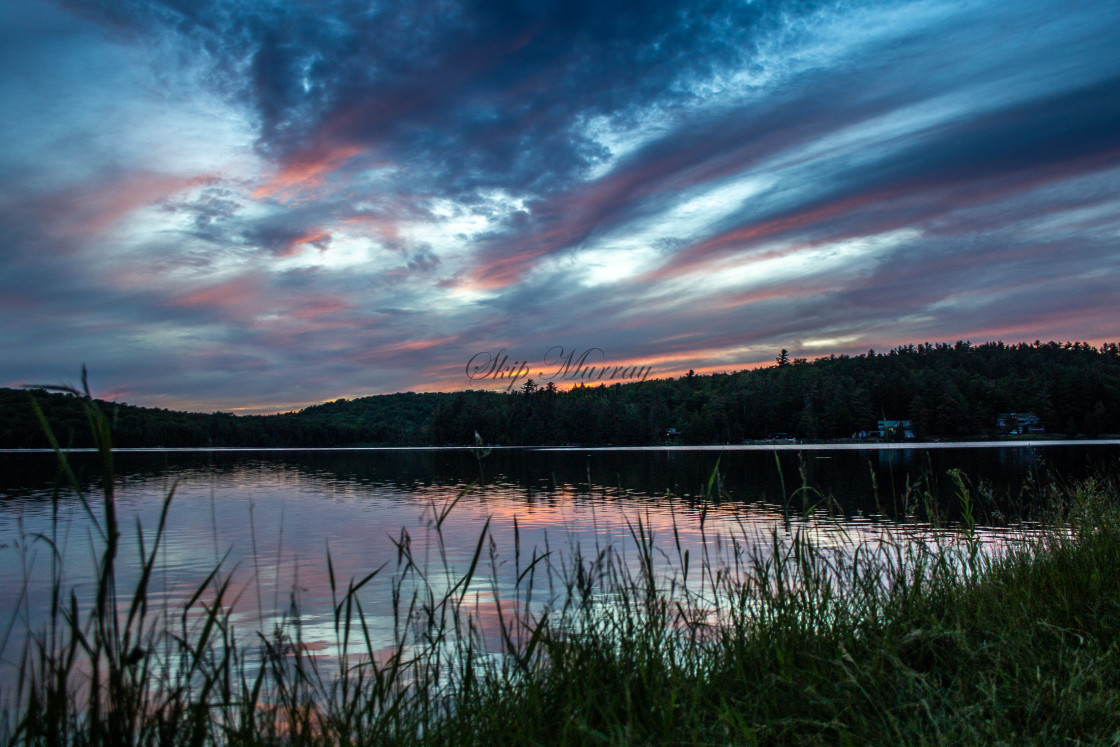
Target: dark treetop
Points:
(945, 390)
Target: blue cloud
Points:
(345, 198)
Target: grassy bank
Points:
(790, 640)
(1019, 651)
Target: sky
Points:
(257, 206)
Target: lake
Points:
(271, 518)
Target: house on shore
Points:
(1016, 423)
(895, 429)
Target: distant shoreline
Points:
(784, 446)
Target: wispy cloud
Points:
(245, 204)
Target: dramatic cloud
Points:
(260, 205)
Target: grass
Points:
(787, 642)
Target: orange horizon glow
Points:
(449, 382)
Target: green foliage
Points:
(392, 420)
(947, 391)
(783, 640)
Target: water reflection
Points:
(271, 520)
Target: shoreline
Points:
(780, 446)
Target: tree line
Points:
(945, 390)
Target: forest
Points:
(946, 390)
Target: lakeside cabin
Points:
(890, 429)
(1017, 423)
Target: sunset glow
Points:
(252, 207)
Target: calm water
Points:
(269, 518)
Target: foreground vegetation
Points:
(783, 641)
(945, 390)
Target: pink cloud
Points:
(307, 171)
(319, 306)
(93, 209)
(314, 237)
(231, 293)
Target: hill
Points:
(946, 390)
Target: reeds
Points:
(776, 639)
